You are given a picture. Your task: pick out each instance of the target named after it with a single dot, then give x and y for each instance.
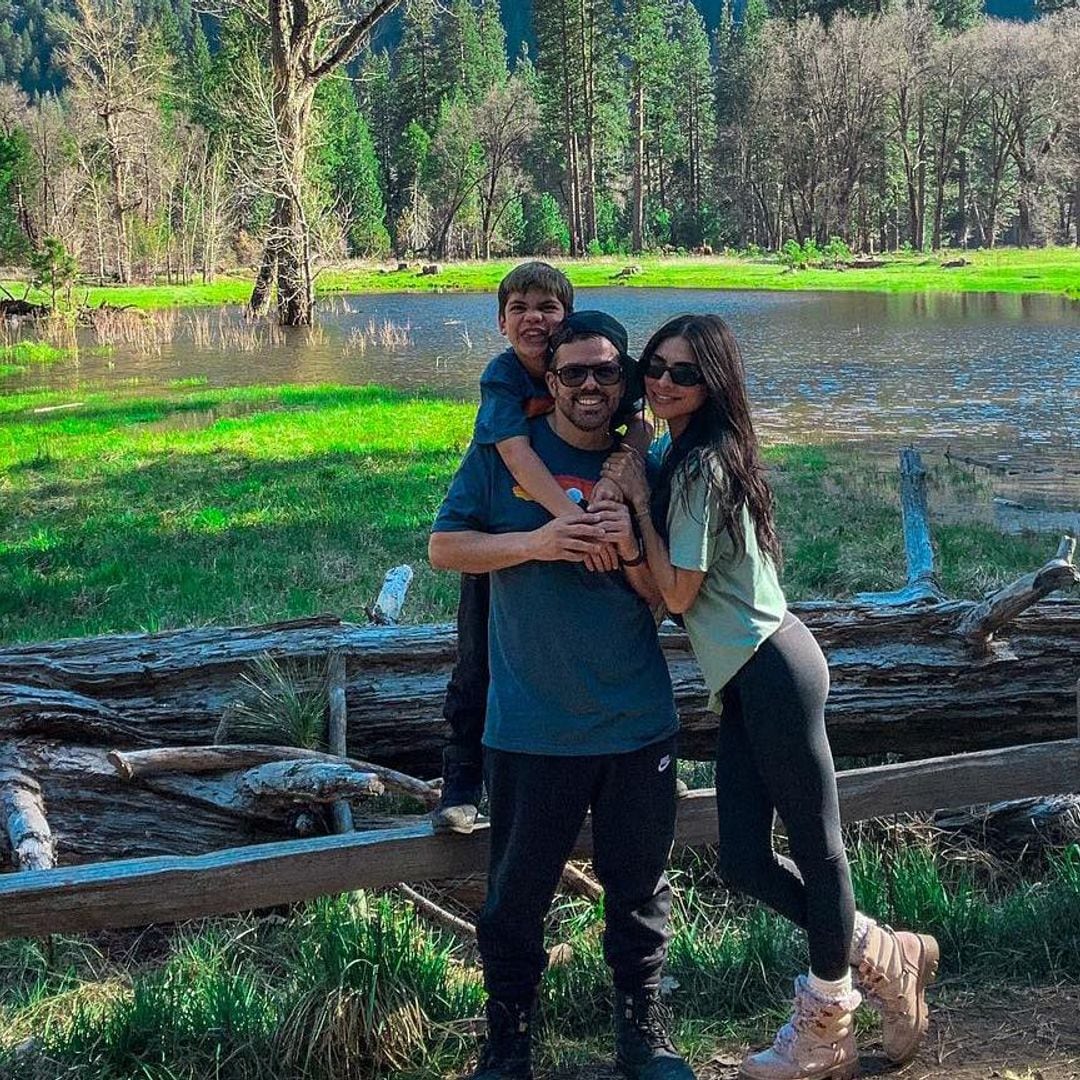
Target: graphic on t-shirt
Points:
(574, 486)
(538, 406)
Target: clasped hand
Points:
(626, 468)
(603, 533)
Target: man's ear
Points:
(552, 382)
(502, 323)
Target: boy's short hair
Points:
(540, 276)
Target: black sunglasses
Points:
(680, 374)
(576, 374)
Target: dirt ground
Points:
(1008, 1034)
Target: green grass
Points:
(1013, 270)
(16, 357)
(193, 507)
(355, 985)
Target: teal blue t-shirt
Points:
(576, 667)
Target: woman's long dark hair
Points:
(719, 443)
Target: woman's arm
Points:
(678, 587)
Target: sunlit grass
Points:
(152, 511)
(356, 985)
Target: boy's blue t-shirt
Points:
(510, 397)
(576, 666)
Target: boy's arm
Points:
(534, 476)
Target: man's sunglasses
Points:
(681, 374)
(576, 374)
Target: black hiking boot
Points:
(507, 1053)
(643, 1048)
(463, 783)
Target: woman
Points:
(708, 533)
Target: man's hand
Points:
(614, 518)
(605, 490)
(626, 468)
(571, 538)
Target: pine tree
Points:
(694, 105)
(348, 166)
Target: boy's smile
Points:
(528, 322)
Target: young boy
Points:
(534, 298)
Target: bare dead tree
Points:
(109, 57)
(307, 40)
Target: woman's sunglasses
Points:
(680, 374)
(576, 374)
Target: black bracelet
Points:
(638, 559)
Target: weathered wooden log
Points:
(921, 585)
(307, 781)
(1018, 825)
(903, 681)
(167, 889)
(202, 759)
(22, 815)
(983, 621)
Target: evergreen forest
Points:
(167, 140)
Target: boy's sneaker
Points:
(462, 786)
(643, 1048)
(507, 1053)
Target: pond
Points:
(992, 377)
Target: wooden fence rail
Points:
(137, 892)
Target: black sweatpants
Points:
(465, 706)
(772, 754)
(538, 805)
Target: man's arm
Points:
(572, 538)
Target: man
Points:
(580, 710)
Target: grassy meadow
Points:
(1012, 270)
(357, 985)
(193, 506)
(186, 505)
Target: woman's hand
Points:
(614, 518)
(626, 467)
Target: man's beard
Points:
(586, 418)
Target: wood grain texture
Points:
(170, 888)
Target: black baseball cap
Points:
(597, 324)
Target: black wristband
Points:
(638, 559)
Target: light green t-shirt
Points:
(740, 602)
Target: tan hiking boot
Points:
(815, 1044)
(893, 969)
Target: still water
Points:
(991, 376)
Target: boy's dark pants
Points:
(538, 805)
(465, 706)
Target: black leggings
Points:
(772, 754)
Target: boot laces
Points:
(651, 1019)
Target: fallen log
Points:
(170, 888)
(202, 759)
(904, 681)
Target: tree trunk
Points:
(638, 196)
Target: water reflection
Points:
(988, 374)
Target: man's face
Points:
(528, 321)
(591, 405)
